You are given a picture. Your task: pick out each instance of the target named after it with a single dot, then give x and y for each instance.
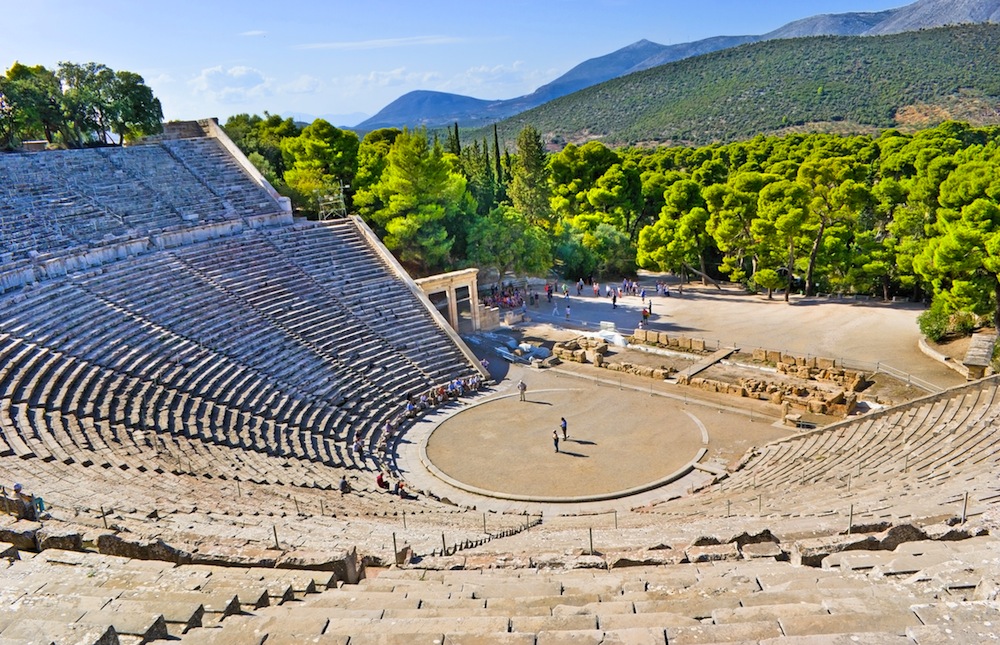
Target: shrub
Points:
(934, 322)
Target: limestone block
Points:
(8, 551)
(713, 552)
(642, 370)
(580, 355)
(640, 335)
(601, 348)
(776, 398)
(825, 363)
(598, 360)
(759, 355)
(141, 548)
(811, 551)
(789, 359)
(674, 341)
(661, 373)
(663, 338)
(683, 380)
(59, 536)
(568, 562)
(646, 558)
(20, 533)
(684, 343)
(761, 550)
(343, 562)
(802, 373)
(698, 344)
(773, 357)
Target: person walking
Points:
(522, 388)
(555, 439)
(614, 300)
(567, 312)
(563, 426)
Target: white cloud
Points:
(254, 33)
(232, 85)
(384, 43)
(498, 81)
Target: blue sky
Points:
(218, 58)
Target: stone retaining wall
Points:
(663, 339)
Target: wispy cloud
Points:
(254, 33)
(385, 43)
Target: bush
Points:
(934, 323)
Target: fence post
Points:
(616, 519)
(277, 544)
(404, 519)
(965, 506)
(484, 522)
(444, 549)
(850, 520)
(591, 531)
(395, 549)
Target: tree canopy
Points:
(75, 106)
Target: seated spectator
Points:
(345, 487)
(381, 482)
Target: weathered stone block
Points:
(20, 533)
(684, 343)
(663, 338)
(344, 563)
(140, 548)
(713, 552)
(56, 536)
(639, 335)
(825, 363)
(698, 344)
(773, 357)
(759, 355)
(810, 552)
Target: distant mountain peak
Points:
(435, 109)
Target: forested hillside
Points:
(844, 83)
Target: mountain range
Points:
(437, 109)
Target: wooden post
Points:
(616, 519)
(850, 520)
(395, 549)
(404, 519)
(591, 531)
(965, 506)
(444, 549)
(277, 544)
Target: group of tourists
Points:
(415, 404)
(506, 297)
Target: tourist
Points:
(381, 482)
(614, 300)
(344, 486)
(522, 388)
(555, 439)
(563, 426)
(567, 312)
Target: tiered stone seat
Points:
(206, 159)
(139, 601)
(903, 598)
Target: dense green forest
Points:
(75, 106)
(912, 215)
(843, 84)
